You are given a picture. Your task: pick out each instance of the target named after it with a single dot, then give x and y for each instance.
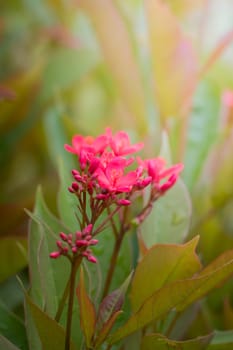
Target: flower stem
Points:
(74, 267)
(113, 261)
(102, 225)
(117, 247)
(62, 302)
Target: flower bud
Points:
(54, 255)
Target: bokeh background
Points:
(162, 71)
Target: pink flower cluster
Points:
(104, 168)
(76, 244)
(109, 175)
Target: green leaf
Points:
(202, 132)
(12, 256)
(64, 68)
(179, 295)
(170, 217)
(52, 335)
(210, 277)
(6, 345)
(12, 328)
(87, 311)
(48, 277)
(158, 341)
(222, 340)
(161, 265)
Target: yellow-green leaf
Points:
(179, 295)
(52, 335)
(163, 264)
(87, 311)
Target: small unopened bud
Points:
(87, 230)
(75, 186)
(81, 243)
(65, 250)
(54, 255)
(78, 177)
(70, 189)
(59, 244)
(63, 236)
(123, 202)
(78, 235)
(92, 259)
(75, 172)
(93, 241)
(74, 249)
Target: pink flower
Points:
(157, 171)
(120, 144)
(112, 178)
(87, 147)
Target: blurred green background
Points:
(159, 71)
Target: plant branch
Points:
(116, 250)
(75, 264)
(101, 227)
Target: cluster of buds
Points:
(77, 244)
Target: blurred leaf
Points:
(170, 217)
(158, 341)
(181, 7)
(173, 60)
(87, 311)
(6, 93)
(228, 314)
(223, 340)
(118, 52)
(12, 258)
(222, 45)
(14, 220)
(64, 68)
(161, 265)
(25, 87)
(202, 132)
(52, 335)
(67, 203)
(12, 328)
(6, 345)
(179, 295)
(55, 130)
